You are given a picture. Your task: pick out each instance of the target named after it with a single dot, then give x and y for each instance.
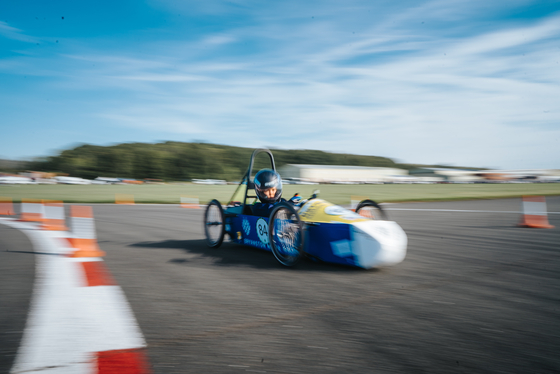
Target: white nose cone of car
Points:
(354, 239)
(377, 243)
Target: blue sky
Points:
(473, 83)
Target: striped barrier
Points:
(118, 361)
(31, 210)
(79, 320)
(83, 238)
(534, 213)
(6, 206)
(124, 361)
(54, 216)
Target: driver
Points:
(268, 186)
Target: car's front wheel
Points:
(285, 234)
(214, 227)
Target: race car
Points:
(311, 228)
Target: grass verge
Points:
(338, 194)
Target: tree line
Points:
(184, 161)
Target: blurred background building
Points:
(340, 174)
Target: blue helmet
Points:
(265, 181)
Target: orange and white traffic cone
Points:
(83, 238)
(190, 202)
(31, 210)
(534, 213)
(54, 216)
(6, 206)
(124, 199)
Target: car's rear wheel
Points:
(370, 209)
(285, 234)
(214, 227)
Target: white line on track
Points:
(461, 210)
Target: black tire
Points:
(285, 234)
(370, 209)
(214, 226)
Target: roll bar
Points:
(255, 153)
(250, 170)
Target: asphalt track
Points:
(17, 274)
(475, 294)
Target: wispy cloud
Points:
(438, 91)
(503, 39)
(219, 39)
(424, 104)
(13, 33)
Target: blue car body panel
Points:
(249, 230)
(319, 237)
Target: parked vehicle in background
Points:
(209, 181)
(296, 181)
(10, 179)
(105, 180)
(548, 179)
(130, 181)
(71, 180)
